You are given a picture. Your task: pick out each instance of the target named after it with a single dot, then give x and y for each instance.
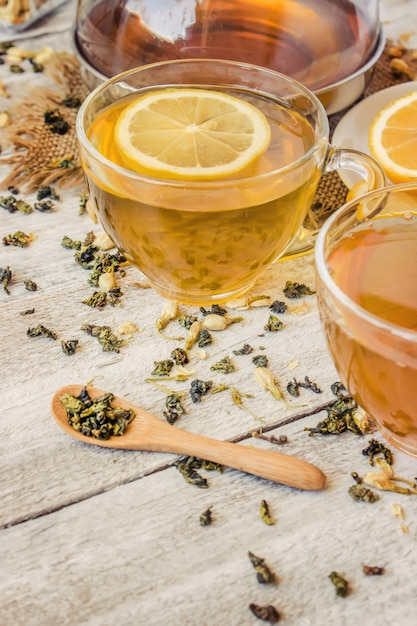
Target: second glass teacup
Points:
(366, 260)
(202, 171)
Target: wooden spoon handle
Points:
(269, 464)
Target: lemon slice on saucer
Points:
(392, 138)
(190, 134)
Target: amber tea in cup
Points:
(367, 294)
(318, 42)
(205, 232)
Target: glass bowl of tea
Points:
(329, 45)
(202, 171)
(366, 267)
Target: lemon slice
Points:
(190, 134)
(393, 138)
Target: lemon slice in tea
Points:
(190, 134)
(393, 138)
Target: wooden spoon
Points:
(147, 432)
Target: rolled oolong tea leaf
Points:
(41, 331)
(293, 387)
(245, 349)
(98, 300)
(187, 466)
(199, 388)
(30, 285)
(260, 360)
(225, 366)
(340, 583)
(296, 290)
(273, 324)
(264, 574)
(70, 244)
(69, 346)
(104, 335)
(19, 239)
(267, 613)
(206, 517)
(179, 356)
(46, 192)
(162, 368)
(278, 307)
(215, 309)
(174, 408)
(266, 517)
(205, 338)
(376, 448)
(5, 278)
(360, 493)
(44, 206)
(96, 417)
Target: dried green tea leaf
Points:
(19, 239)
(360, 493)
(376, 448)
(30, 285)
(41, 331)
(266, 517)
(108, 340)
(199, 388)
(162, 368)
(5, 278)
(278, 307)
(225, 366)
(69, 346)
(273, 324)
(340, 583)
(296, 290)
(245, 349)
(260, 360)
(96, 417)
(267, 613)
(206, 517)
(264, 574)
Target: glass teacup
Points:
(202, 241)
(366, 262)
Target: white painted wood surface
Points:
(97, 537)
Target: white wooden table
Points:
(99, 537)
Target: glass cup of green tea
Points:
(366, 265)
(202, 171)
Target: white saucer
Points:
(352, 130)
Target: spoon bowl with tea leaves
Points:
(79, 410)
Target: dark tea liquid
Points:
(317, 42)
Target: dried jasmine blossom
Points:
(199, 388)
(179, 356)
(266, 517)
(245, 349)
(214, 321)
(5, 278)
(98, 300)
(225, 366)
(264, 574)
(266, 380)
(373, 570)
(44, 206)
(376, 448)
(55, 122)
(214, 310)
(41, 331)
(70, 244)
(30, 285)
(96, 418)
(340, 583)
(204, 338)
(360, 493)
(260, 360)
(108, 340)
(206, 517)
(278, 307)
(46, 192)
(19, 239)
(267, 613)
(296, 290)
(69, 346)
(169, 312)
(162, 368)
(193, 334)
(293, 387)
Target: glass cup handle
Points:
(367, 168)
